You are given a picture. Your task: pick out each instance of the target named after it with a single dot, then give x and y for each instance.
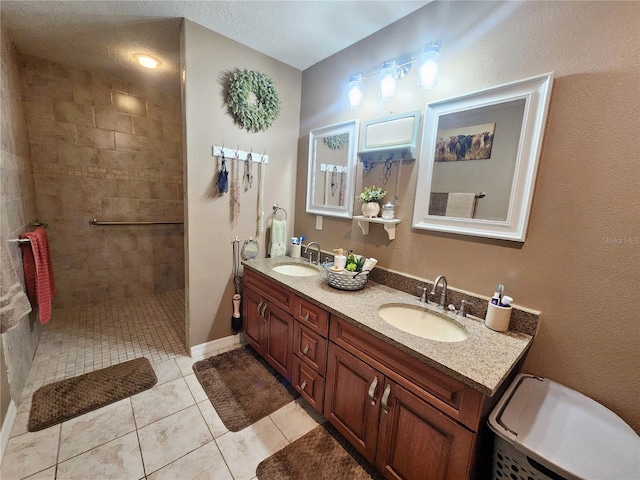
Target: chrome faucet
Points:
(311, 253)
(443, 293)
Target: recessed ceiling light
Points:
(147, 60)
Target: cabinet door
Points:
(253, 320)
(278, 344)
(352, 397)
(417, 442)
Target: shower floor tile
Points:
(82, 339)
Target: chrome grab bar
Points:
(96, 223)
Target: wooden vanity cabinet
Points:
(269, 330)
(393, 422)
(412, 421)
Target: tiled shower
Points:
(112, 150)
(78, 145)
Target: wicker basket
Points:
(344, 280)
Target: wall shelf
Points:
(389, 225)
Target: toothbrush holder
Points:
(295, 251)
(498, 318)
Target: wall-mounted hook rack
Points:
(324, 167)
(230, 154)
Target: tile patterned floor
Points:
(169, 432)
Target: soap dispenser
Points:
(339, 260)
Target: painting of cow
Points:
(468, 143)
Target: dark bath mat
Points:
(321, 454)
(243, 387)
(66, 399)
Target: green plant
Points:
(372, 194)
(354, 264)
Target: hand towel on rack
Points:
(13, 302)
(278, 244)
(461, 205)
(38, 272)
(438, 203)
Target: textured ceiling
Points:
(102, 35)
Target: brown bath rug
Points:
(66, 399)
(321, 454)
(242, 387)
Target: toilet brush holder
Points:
(498, 317)
(236, 318)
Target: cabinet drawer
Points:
(268, 289)
(311, 316)
(309, 383)
(449, 395)
(310, 347)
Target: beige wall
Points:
(17, 211)
(208, 58)
(579, 265)
(92, 160)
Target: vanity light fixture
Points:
(388, 80)
(428, 73)
(397, 69)
(355, 90)
(147, 61)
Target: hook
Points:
(237, 148)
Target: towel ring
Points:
(277, 208)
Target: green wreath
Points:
(336, 142)
(257, 116)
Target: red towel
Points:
(38, 271)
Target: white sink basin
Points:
(422, 323)
(297, 270)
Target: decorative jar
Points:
(388, 211)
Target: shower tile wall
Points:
(17, 211)
(92, 159)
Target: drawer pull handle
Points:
(305, 349)
(264, 308)
(304, 384)
(372, 390)
(259, 307)
(385, 399)
(306, 317)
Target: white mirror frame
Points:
(352, 127)
(536, 92)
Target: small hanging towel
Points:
(278, 246)
(38, 271)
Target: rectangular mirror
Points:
(332, 166)
(479, 159)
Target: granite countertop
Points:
(482, 361)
